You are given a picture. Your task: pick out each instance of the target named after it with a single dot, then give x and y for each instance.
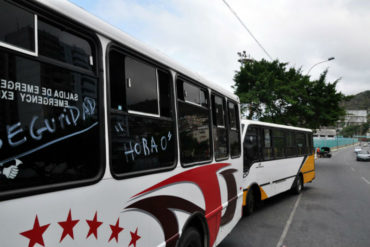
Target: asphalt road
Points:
(333, 210)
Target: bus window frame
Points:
(259, 145)
(263, 128)
(126, 51)
(84, 32)
(225, 126)
(34, 53)
(260, 134)
(187, 79)
(237, 129)
(145, 114)
(273, 142)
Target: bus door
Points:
(253, 154)
(266, 166)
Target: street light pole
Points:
(327, 60)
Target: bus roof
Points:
(72, 11)
(248, 122)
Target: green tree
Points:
(352, 130)
(274, 92)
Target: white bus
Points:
(277, 158)
(106, 143)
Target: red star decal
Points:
(116, 229)
(35, 235)
(94, 225)
(68, 226)
(134, 238)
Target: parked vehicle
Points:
(325, 152)
(357, 149)
(363, 155)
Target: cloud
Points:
(204, 36)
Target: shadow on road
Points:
(273, 201)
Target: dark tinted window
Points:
(278, 143)
(194, 94)
(49, 124)
(291, 148)
(140, 144)
(232, 115)
(234, 130)
(251, 147)
(301, 143)
(117, 81)
(64, 46)
(17, 26)
(141, 87)
(194, 130)
(165, 93)
(267, 147)
(310, 143)
(218, 110)
(219, 129)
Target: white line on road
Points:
(288, 223)
(367, 181)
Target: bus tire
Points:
(190, 238)
(298, 185)
(250, 204)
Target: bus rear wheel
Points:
(298, 185)
(190, 238)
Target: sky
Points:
(204, 36)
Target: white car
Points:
(357, 149)
(363, 155)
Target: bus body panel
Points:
(110, 201)
(308, 169)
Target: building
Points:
(355, 117)
(325, 133)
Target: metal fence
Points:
(336, 142)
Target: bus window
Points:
(194, 95)
(18, 27)
(49, 124)
(141, 87)
(64, 46)
(251, 147)
(219, 128)
(117, 77)
(194, 130)
(300, 142)
(310, 144)
(267, 147)
(165, 93)
(291, 149)
(142, 134)
(278, 143)
(234, 130)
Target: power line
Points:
(246, 28)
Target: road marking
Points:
(353, 169)
(289, 222)
(367, 181)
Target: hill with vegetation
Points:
(360, 101)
